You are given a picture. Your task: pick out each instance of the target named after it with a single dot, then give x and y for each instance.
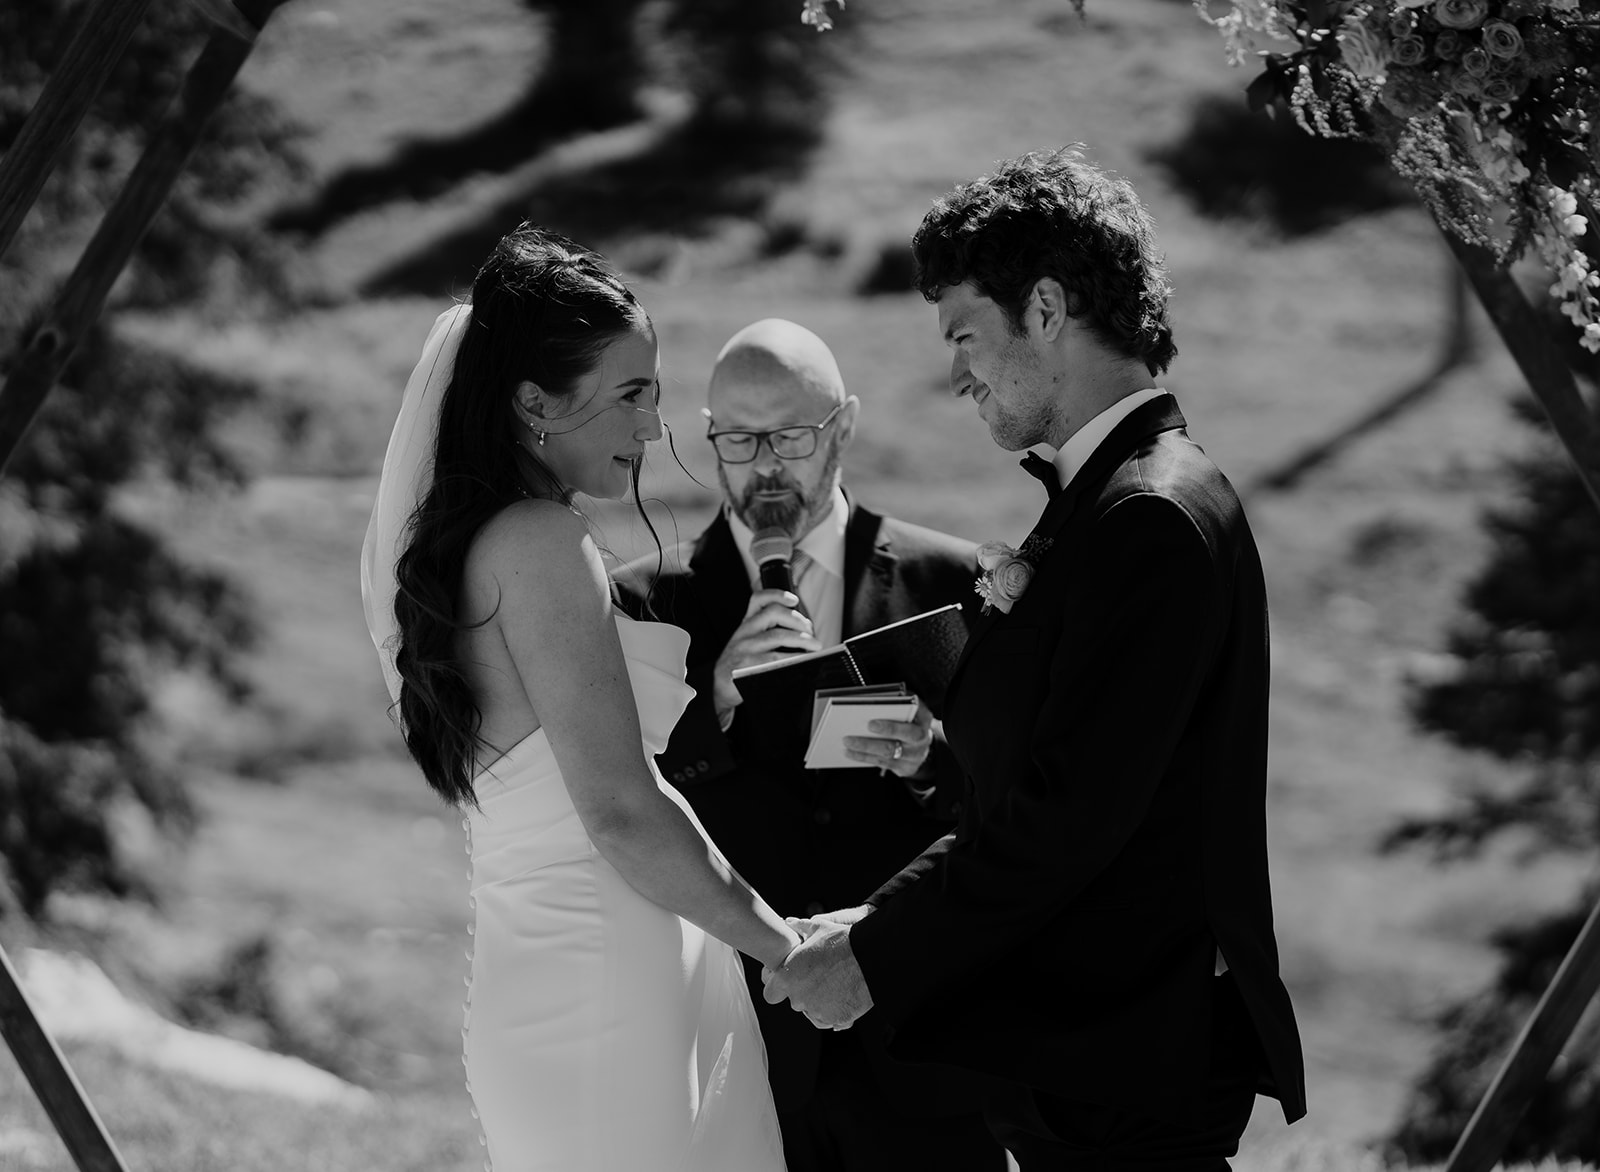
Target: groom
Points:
(1097, 932)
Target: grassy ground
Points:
(319, 839)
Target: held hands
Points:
(772, 629)
(902, 748)
(820, 977)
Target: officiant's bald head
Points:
(771, 375)
(777, 360)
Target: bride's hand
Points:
(847, 915)
(771, 964)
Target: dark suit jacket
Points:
(812, 840)
(1114, 726)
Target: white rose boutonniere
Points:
(1007, 572)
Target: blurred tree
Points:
(94, 605)
(1525, 686)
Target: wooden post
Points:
(46, 352)
(52, 1079)
(107, 27)
(1536, 1049)
(1528, 339)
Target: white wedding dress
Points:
(603, 1033)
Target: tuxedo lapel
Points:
(1145, 421)
(869, 564)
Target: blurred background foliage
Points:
(1523, 684)
(94, 605)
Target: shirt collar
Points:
(1075, 453)
(824, 544)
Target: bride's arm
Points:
(536, 567)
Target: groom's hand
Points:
(821, 978)
(900, 746)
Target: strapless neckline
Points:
(681, 636)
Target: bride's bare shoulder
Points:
(532, 543)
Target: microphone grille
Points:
(771, 544)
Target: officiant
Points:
(780, 421)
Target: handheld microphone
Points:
(771, 550)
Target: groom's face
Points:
(998, 367)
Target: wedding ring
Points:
(899, 750)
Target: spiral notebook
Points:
(915, 657)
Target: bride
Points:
(608, 1025)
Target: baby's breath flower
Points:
(815, 13)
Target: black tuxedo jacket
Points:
(1114, 727)
(811, 840)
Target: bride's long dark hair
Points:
(543, 309)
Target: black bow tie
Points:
(1043, 471)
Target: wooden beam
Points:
(226, 14)
(52, 1079)
(47, 350)
(1540, 1043)
(108, 26)
(1527, 337)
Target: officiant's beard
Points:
(796, 514)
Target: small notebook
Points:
(849, 712)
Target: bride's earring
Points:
(541, 439)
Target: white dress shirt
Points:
(1075, 453)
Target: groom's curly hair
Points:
(1054, 215)
(543, 309)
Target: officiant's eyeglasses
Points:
(795, 442)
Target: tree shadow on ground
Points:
(689, 176)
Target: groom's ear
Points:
(528, 401)
(1049, 305)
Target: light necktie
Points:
(800, 562)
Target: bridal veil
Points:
(407, 465)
